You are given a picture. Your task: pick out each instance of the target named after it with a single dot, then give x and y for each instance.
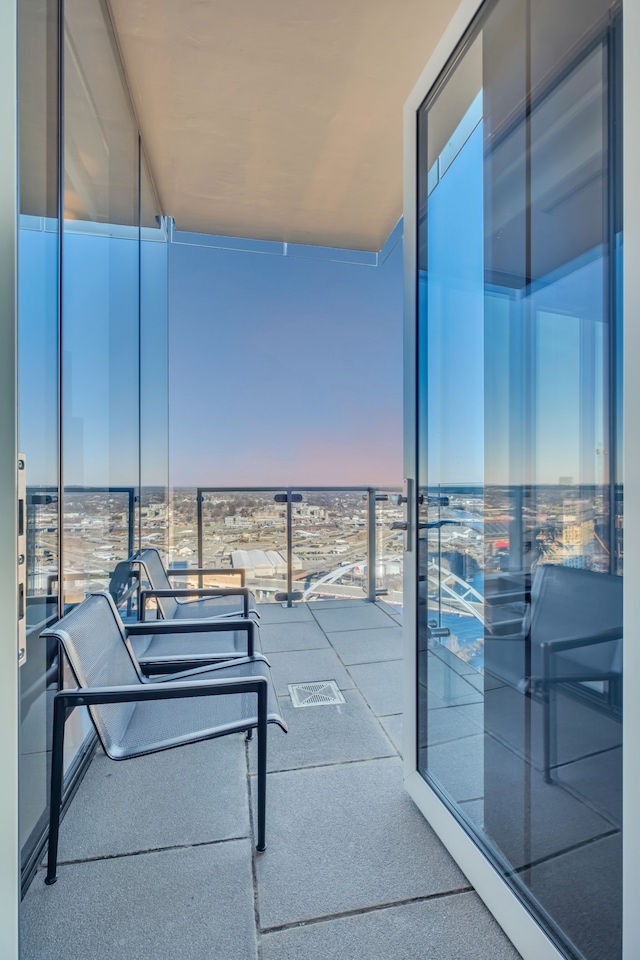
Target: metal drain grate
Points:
(315, 693)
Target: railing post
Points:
(132, 523)
(289, 550)
(371, 545)
(200, 543)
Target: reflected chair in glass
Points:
(571, 637)
(134, 716)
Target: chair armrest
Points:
(208, 571)
(157, 627)
(209, 592)
(201, 625)
(550, 647)
(167, 690)
(571, 643)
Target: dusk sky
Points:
(284, 370)
(287, 370)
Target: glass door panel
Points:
(519, 492)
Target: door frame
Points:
(9, 700)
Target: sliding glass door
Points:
(519, 486)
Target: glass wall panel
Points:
(101, 309)
(38, 392)
(93, 406)
(520, 547)
(100, 304)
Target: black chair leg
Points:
(262, 767)
(57, 773)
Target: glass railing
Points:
(303, 543)
(294, 543)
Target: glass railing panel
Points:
(389, 562)
(329, 544)
(183, 526)
(154, 518)
(245, 529)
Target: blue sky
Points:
(284, 370)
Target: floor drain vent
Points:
(315, 693)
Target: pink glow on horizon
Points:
(362, 458)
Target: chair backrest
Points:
(151, 562)
(93, 639)
(568, 602)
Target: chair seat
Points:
(174, 647)
(160, 724)
(212, 607)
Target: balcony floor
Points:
(157, 857)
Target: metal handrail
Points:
(371, 494)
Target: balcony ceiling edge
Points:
(278, 121)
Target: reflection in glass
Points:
(520, 550)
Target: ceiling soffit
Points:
(279, 120)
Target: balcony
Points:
(157, 857)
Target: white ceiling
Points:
(278, 119)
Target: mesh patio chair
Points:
(134, 716)
(177, 603)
